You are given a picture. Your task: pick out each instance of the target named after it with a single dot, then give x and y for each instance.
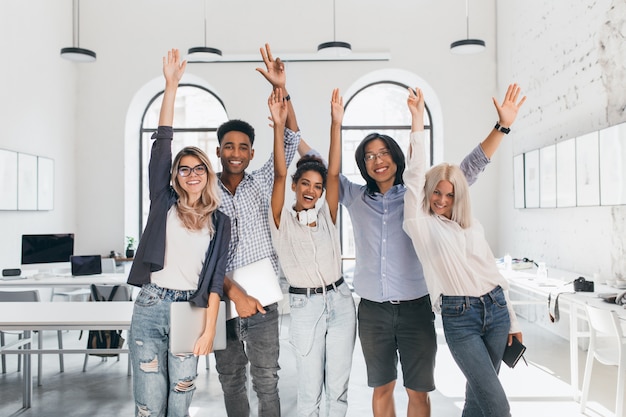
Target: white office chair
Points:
(121, 294)
(31, 295)
(607, 344)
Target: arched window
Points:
(198, 113)
(381, 107)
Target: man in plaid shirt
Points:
(253, 336)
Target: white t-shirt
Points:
(184, 255)
(309, 256)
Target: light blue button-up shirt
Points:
(387, 268)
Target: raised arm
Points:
(161, 152)
(414, 174)
(507, 113)
(334, 154)
(173, 71)
(278, 109)
(274, 72)
(476, 161)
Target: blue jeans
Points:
(163, 383)
(476, 330)
(260, 334)
(323, 333)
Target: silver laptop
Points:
(187, 325)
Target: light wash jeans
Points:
(322, 333)
(476, 330)
(163, 383)
(260, 334)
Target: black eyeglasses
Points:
(185, 171)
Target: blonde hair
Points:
(461, 209)
(197, 215)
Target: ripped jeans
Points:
(163, 383)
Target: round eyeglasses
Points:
(185, 171)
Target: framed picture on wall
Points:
(518, 181)
(531, 178)
(547, 176)
(566, 173)
(613, 165)
(8, 180)
(26, 182)
(587, 170)
(45, 183)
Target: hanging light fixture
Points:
(204, 53)
(334, 48)
(467, 46)
(76, 53)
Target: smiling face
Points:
(235, 153)
(308, 190)
(193, 184)
(442, 199)
(381, 168)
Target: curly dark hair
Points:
(310, 163)
(235, 125)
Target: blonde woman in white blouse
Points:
(461, 275)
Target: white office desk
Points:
(65, 281)
(569, 301)
(28, 316)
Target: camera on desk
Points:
(582, 285)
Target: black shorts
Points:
(407, 329)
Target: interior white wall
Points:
(78, 112)
(572, 60)
(38, 112)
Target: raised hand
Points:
(278, 107)
(275, 69)
(336, 107)
(173, 68)
(507, 112)
(415, 101)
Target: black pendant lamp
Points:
(204, 53)
(334, 48)
(467, 46)
(76, 53)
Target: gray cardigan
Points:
(150, 254)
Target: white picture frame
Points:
(45, 183)
(613, 165)
(531, 178)
(587, 170)
(26, 182)
(547, 177)
(8, 180)
(566, 173)
(518, 181)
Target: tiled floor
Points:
(541, 389)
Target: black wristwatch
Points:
(504, 130)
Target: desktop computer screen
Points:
(47, 252)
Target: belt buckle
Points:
(394, 302)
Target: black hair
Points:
(395, 152)
(235, 125)
(310, 163)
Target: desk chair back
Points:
(28, 296)
(607, 344)
(109, 293)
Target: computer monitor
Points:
(48, 253)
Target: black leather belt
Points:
(318, 290)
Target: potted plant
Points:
(130, 246)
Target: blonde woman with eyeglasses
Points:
(181, 258)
